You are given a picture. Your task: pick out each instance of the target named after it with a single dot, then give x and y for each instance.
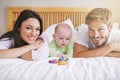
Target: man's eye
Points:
(91, 30)
(38, 29)
(100, 29)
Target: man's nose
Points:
(96, 34)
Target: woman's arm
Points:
(17, 52)
(14, 52)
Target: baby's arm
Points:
(54, 52)
(62, 55)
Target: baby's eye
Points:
(67, 39)
(60, 38)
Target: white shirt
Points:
(41, 53)
(83, 37)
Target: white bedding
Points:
(99, 68)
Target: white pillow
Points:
(69, 22)
(47, 34)
(116, 25)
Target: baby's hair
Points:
(102, 14)
(62, 25)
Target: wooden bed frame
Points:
(50, 15)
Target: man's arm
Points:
(82, 51)
(114, 54)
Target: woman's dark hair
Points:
(15, 34)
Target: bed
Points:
(97, 68)
(50, 15)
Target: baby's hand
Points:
(62, 55)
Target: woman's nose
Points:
(33, 32)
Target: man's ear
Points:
(110, 26)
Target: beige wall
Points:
(114, 5)
(111, 4)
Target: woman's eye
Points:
(28, 28)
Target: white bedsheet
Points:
(99, 68)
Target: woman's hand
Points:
(34, 46)
(37, 43)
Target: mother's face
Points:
(30, 30)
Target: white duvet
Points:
(99, 68)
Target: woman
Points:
(24, 41)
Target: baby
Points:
(62, 43)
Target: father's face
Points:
(98, 32)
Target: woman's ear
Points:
(18, 29)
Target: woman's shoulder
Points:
(6, 42)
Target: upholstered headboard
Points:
(50, 15)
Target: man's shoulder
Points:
(115, 35)
(115, 32)
(82, 26)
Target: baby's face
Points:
(62, 38)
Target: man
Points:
(97, 37)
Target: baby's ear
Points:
(53, 35)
